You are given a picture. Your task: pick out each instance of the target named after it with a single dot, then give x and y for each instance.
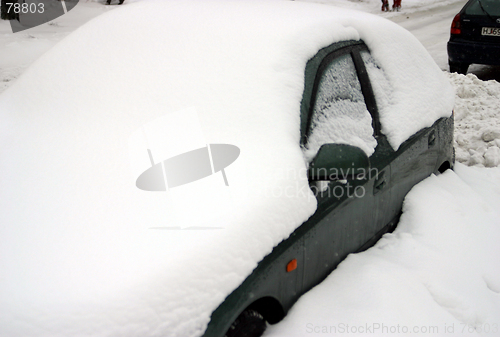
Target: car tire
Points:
(249, 324)
(460, 68)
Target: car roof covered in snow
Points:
(86, 252)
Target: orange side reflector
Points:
(292, 265)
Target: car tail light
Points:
(456, 25)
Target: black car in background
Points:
(475, 36)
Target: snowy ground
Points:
(438, 274)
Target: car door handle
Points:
(380, 183)
(432, 138)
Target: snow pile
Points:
(429, 277)
(83, 252)
(477, 120)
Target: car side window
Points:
(339, 112)
(380, 84)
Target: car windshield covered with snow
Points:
(191, 168)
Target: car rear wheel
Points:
(460, 68)
(249, 324)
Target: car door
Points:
(351, 206)
(414, 160)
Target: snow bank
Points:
(83, 252)
(477, 120)
(429, 277)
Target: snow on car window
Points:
(340, 114)
(380, 84)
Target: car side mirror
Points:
(338, 161)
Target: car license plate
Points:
(490, 31)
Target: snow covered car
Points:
(475, 36)
(118, 219)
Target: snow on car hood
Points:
(83, 250)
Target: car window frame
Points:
(315, 69)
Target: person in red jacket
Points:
(396, 6)
(385, 5)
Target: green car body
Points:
(345, 221)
